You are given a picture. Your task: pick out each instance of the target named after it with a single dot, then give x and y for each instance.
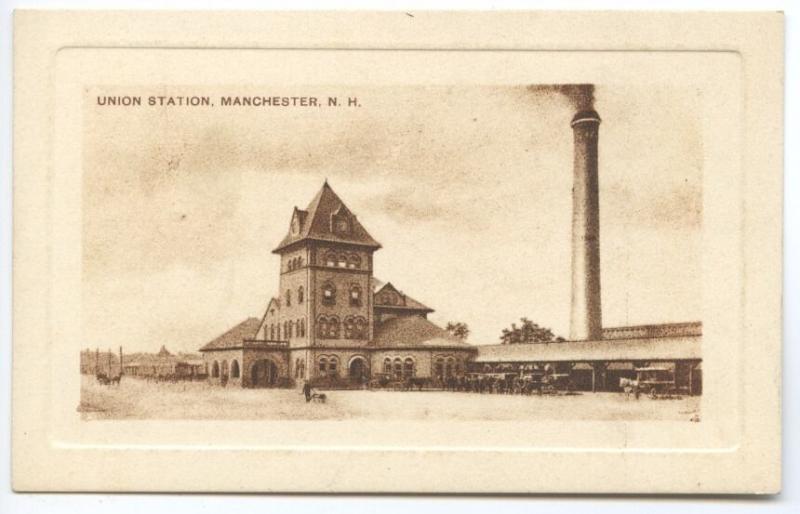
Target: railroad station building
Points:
(331, 317)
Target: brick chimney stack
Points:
(586, 316)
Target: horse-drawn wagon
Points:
(555, 383)
(654, 381)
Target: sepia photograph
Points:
(486, 253)
(412, 252)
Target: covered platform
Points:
(599, 365)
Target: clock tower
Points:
(326, 276)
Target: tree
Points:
(457, 329)
(529, 332)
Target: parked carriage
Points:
(656, 382)
(555, 383)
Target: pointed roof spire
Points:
(318, 223)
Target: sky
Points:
(467, 188)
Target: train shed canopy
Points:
(639, 349)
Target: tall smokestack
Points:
(586, 321)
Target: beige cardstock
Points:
(147, 225)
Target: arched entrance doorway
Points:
(263, 373)
(358, 370)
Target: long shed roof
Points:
(661, 348)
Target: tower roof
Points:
(326, 218)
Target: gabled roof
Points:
(405, 331)
(235, 337)
(406, 302)
(316, 223)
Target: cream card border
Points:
(736, 448)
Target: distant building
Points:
(94, 362)
(164, 364)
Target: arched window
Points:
(224, 370)
(354, 261)
(272, 332)
(438, 368)
(387, 365)
(448, 370)
(333, 364)
(408, 368)
(349, 327)
(303, 327)
(323, 365)
(341, 260)
(398, 368)
(322, 327)
(355, 296)
(299, 262)
(234, 368)
(215, 370)
(288, 298)
(330, 259)
(333, 327)
(328, 294)
(360, 331)
(300, 295)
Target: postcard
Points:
(522, 252)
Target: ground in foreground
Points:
(138, 399)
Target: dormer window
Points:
(340, 223)
(342, 226)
